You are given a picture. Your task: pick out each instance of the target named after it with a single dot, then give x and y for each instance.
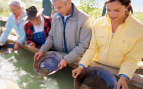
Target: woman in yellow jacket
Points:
(117, 41)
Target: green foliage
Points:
(96, 12)
(139, 15)
(88, 6)
(88, 3)
(4, 8)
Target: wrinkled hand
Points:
(63, 63)
(122, 84)
(16, 46)
(38, 55)
(76, 72)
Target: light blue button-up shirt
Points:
(12, 24)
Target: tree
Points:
(89, 6)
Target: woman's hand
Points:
(122, 83)
(76, 72)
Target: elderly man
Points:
(69, 33)
(15, 20)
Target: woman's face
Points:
(116, 10)
(16, 10)
(36, 21)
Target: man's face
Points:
(16, 10)
(61, 7)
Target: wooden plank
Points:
(137, 80)
(12, 39)
(3, 21)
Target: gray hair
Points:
(59, 0)
(18, 3)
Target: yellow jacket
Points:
(124, 50)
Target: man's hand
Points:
(122, 84)
(16, 46)
(76, 72)
(63, 63)
(38, 55)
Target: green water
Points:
(19, 67)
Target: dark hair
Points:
(31, 12)
(123, 2)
